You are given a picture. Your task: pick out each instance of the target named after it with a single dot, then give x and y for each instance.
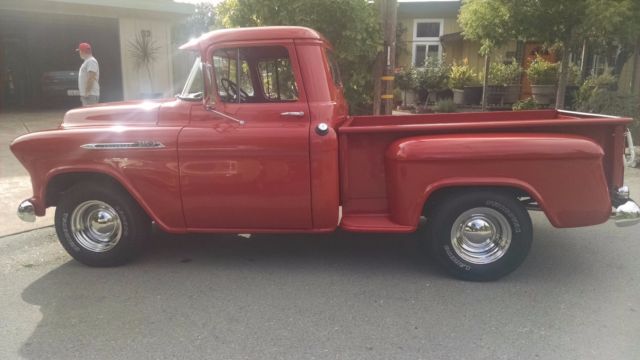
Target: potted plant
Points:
(512, 77)
(431, 79)
(405, 81)
(574, 80)
(543, 76)
(461, 77)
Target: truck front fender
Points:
(563, 173)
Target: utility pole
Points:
(384, 68)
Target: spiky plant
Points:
(144, 51)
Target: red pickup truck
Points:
(260, 140)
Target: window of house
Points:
(426, 40)
(254, 74)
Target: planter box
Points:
(512, 94)
(458, 96)
(472, 95)
(544, 94)
(495, 93)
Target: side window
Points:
(333, 67)
(255, 74)
(229, 65)
(278, 81)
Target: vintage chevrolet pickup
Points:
(260, 140)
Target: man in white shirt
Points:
(88, 76)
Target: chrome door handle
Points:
(293, 113)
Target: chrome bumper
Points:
(625, 211)
(26, 211)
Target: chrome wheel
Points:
(96, 226)
(481, 235)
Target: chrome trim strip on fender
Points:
(148, 144)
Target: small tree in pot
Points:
(461, 79)
(543, 76)
(431, 79)
(405, 81)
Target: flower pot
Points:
(570, 96)
(472, 95)
(543, 94)
(458, 96)
(512, 94)
(495, 93)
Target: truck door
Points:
(244, 161)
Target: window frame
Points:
(425, 43)
(293, 58)
(417, 38)
(425, 40)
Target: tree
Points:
(564, 23)
(351, 26)
(488, 22)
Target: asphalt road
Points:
(343, 296)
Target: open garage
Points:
(38, 38)
(35, 45)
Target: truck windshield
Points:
(194, 86)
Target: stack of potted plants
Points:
(543, 76)
(465, 85)
(504, 83)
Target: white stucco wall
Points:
(135, 82)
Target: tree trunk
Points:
(485, 82)
(564, 75)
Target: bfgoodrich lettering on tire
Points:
(479, 234)
(100, 224)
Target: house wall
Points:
(135, 80)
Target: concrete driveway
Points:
(340, 296)
(15, 184)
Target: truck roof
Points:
(252, 33)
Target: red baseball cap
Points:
(84, 47)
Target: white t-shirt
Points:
(89, 64)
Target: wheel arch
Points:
(57, 182)
(515, 188)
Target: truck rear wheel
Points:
(479, 235)
(100, 225)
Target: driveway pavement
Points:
(340, 296)
(15, 185)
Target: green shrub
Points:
(406, 78)
(461, 76)
(434, 76)
(542, 72)
(445, 106)
(599, 95)
(504, 74)
(527, 104)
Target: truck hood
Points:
(139, 112)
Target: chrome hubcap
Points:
(96, 226)
(481, 235)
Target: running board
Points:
(373, 223)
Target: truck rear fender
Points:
(562, 173)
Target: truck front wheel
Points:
(100, 224)
(479, 235)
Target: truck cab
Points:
(260, 141)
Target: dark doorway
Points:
(33, 45)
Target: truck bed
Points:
(364, 140)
